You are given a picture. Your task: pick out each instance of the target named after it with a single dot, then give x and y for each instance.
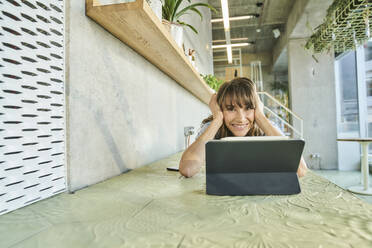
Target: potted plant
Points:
(171, 14)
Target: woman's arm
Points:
(268, 128)
(194, 156)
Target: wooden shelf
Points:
(136, 25)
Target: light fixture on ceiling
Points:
(231, 45)
(226, 25)
(233, 39)
(225, 14)
(258, 30)
(235, 18)
(229, 54)
(276, 33)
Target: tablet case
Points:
(253, 167)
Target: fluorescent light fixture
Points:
(234, 39)
(225, 14)
(229, 54)
(235, 18)
(231, 45)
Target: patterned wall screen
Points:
(32, 122)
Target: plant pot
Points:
(175, 30)
(156, 7)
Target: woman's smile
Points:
(240, 126)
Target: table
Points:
(364, 188)
(153, 207)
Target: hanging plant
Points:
(345, 27)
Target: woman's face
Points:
(238, 119)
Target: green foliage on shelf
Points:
(212, 81)
(172, 13)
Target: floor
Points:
(345, 179)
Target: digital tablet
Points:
(253, 166)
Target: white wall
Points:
(123, 112)
(201, 42)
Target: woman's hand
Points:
(259, 107)
(216, 110)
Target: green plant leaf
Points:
(165, 10)
(170, 11)
(198, 12)
(188, 25)
(212, 81)
(177, 4)
(192, 6)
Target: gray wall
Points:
(201, 42)
(312, 96)
(122, 112)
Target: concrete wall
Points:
(312, 96)
(123, 112)
(201, 42)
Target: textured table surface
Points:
(152, 207)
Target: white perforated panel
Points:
(32, 146)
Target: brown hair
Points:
(240, 90)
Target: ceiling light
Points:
(229, 55)
(276, 33)
(225, 14)
(234, 39)
(258, 30)
(234, 18)
(231, 45)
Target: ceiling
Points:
(271, 15)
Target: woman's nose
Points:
(241, 114)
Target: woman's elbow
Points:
(188, 168)
(185, 172)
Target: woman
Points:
(236, 111)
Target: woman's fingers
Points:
(259, 103)
(213, 102)
(215, 108)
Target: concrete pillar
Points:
(313, 97)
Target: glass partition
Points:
(348, 96)
(368, 82)
(348, 110)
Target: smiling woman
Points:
(236, 111)
(238, 102)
